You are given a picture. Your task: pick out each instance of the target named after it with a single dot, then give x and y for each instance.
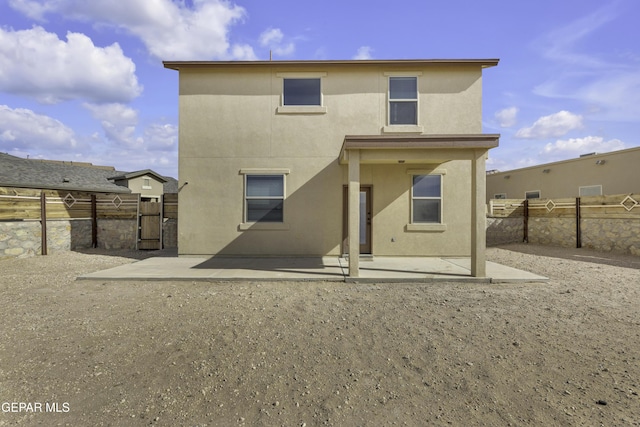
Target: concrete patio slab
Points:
(331, 268)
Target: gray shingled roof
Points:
(58, 175)
(171, 186)
(31, 173)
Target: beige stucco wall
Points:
(229, 121)
(619, 174)
(136, 185)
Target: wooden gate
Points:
(149, 226)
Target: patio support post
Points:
(354, 213)
(478, 215)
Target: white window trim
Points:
(146, 187)
(403, 129)
(302, 109)
(402, 73)
(588, 186)
(274, 226)
(427, 227)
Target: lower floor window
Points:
(264, 198)
(426, 199)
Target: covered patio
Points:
(419, 149)
(336, 269)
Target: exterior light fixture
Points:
(600, 162)
(546, 170)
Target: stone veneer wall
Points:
(501, 231)
(117, 233)
(553, 231)
(24, 238)
(20, 238)
(170, 233)
(617, 235)
(610, 234)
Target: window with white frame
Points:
(403, 100)
(146, 183)
(302, 92)
(426, 199)
(264, 198)
(590, 190)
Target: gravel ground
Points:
(83, 353)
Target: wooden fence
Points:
(620, 206)
(23, 204)
(601, 219)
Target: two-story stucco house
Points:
(317, 158)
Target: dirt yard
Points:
(83, 353)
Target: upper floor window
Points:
(403, 100)
(302, 91)
(146, 183)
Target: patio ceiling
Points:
(416, 148)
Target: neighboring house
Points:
(315, 158)
(592, 174)
(57, 175)
(146, 182)
(82, 176)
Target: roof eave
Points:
(136, 174)
(484, 63)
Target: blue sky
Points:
(83, 80)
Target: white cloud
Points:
(554, 125)
(33, 9)
(507, 117)
(274, 40)
(128, 146)
(606, 81)
(243, 52)
(118, 122)
(574, 147)
(560, 44)
(271, 36)
(161, 137)
(364, 52)
(37, 63)
(26, 133)
(171, 30)
(23, 130)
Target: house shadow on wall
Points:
(313, 213)
(327, 214)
